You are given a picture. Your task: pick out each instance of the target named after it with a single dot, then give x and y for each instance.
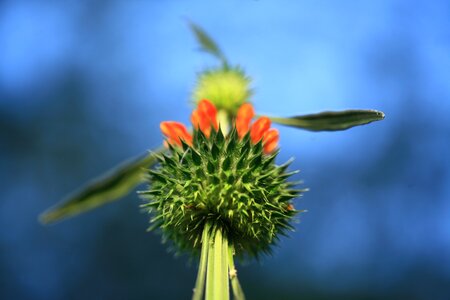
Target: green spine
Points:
(225, 181)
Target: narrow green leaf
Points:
(110, 187)
(219, 137)
(215, 151)
(331, 120)
(196, 157)
(226, 163)
(156, 176)
(255, 162)
(207, 44)
(210, 167)
(232, 142)
(242, 162)
(184, 145)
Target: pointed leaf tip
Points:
(207, 44)
(331, 120)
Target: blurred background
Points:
(84, 85)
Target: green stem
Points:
(200, 282)
(217, 267)
(238, 293)
(225, 279)
(217, 273)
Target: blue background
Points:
(84, 85)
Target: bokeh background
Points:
(84, 85)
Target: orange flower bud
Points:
(209, 110)
(244, 116)
(195, 119)
(270, 140)
(204, 117)
(259, 128)
(175, 133)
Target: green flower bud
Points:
(227, 88)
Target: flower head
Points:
(226, 179)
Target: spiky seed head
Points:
(224, 180)
(227, 88)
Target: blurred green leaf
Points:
(107, 188)
(331, 120)
(207, 44)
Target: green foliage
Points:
(331, 120)
(110, 187)
(227, 182)
(207, 44)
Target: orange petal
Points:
(259, 128)
(246, 111)
(201, 120)
(270, 140)
(182, 132)
(205, 123)
(204, 117)
(209, 111)
(195, 119)
(166, 128)
(242, 127)
(244, 116)
(175, 133)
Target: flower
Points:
(205, 117)
(176, 133)
(226, 177)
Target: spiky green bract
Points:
(226, 88)
(223, 181)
